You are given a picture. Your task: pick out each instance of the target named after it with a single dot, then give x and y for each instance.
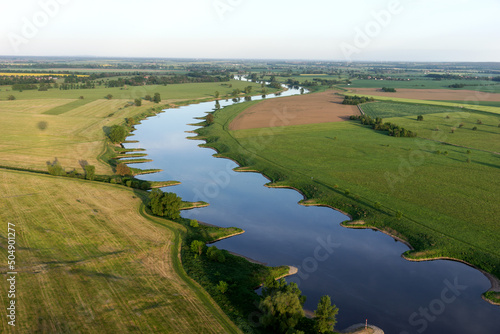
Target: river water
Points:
(362, 270)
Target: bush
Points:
(210, 119)
(222, 287)
(11, 98)
(55, 168)
(90, 172)
(474, 128)
(123, 170)
(197, 246)
(215, 254)
(193, 223)
(138, 102)
(420, 118)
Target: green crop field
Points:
(458, 106)
(89, 262)
(478, 103)
(373, 176)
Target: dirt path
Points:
(294, 110)
(431, 94)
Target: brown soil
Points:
(304, 109)
(431, 94)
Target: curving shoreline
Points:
(358, 224)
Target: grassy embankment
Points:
(399, 185)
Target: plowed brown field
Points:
(304, 109)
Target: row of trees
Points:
(155, 99)
(21, 80)
(379, 125)
(282, 309)
(355, 100)
(388, 89)
(55, 168)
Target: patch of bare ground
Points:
(430, 94)
(295, 110)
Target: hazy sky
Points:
(410, 30)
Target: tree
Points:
(281, 305)
(118, 134)
(157, 98)
(165, 204)
(55, 168)
(90, 172)
(210, 119)
(324, 315)
(420, 118)
(138, 102)
(123, 170)
(217, 94)
(109, 96)
(197, 246)
(148, 98)
(222, 287)
(11, 97)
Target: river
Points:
(362, 270)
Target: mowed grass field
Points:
(88, 261)
(448, 207)
(40, 126)
(31, 137)
(169, 93)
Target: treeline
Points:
(379, 125)
(18, 80)
(164, 80)
(316, 82)
(448, 76)
(355, 100)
